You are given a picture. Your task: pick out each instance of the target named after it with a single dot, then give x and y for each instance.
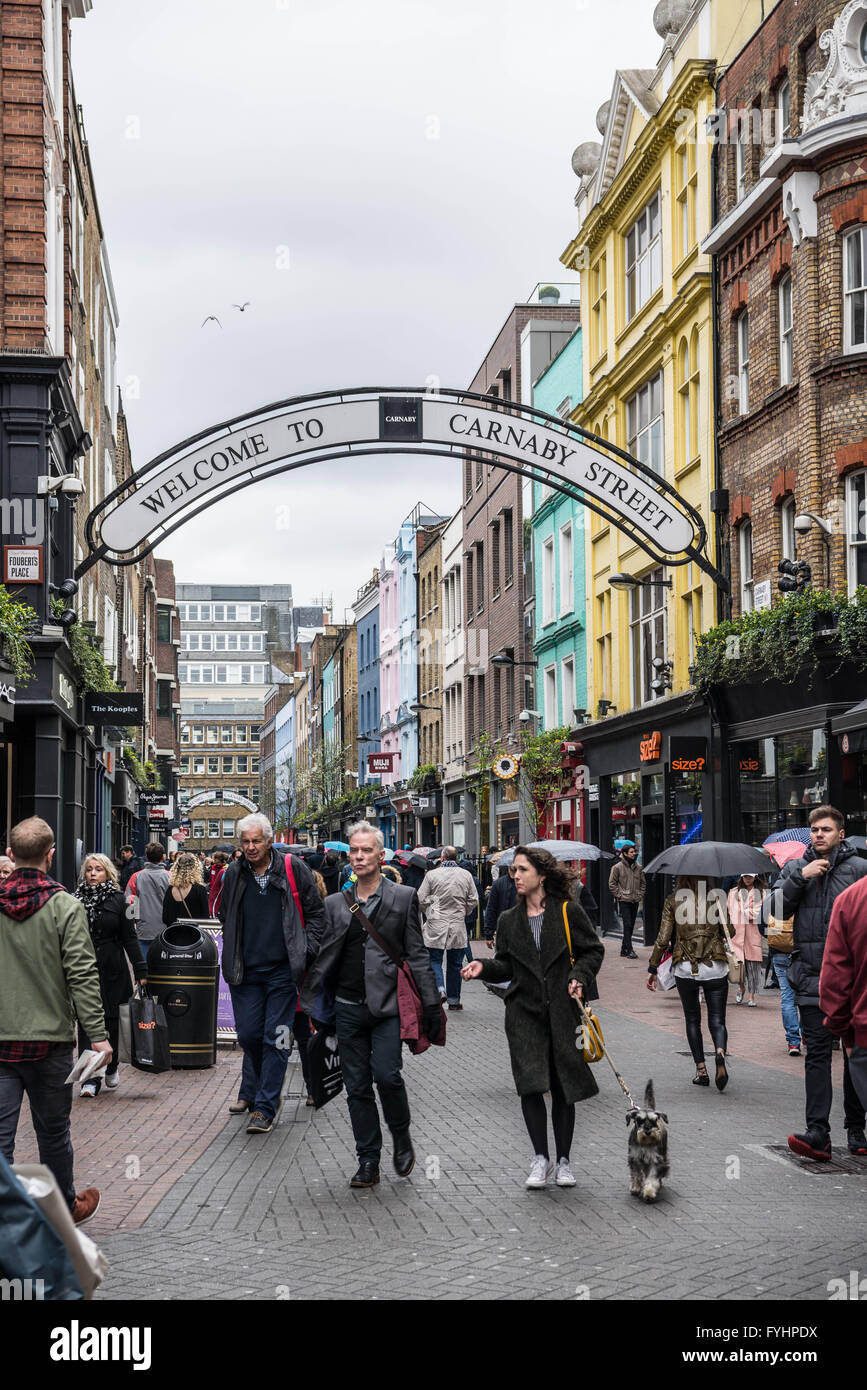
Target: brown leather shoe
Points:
(240, 1107)
(85, 1205)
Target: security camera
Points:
(802, 524)
(72, 486)
(524, 716)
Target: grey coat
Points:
(398, 922)
(541, 1019)
(301, 938)
(811, 901)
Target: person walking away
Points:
(215, 889)
(808, 888)
(117, 949)
(447, 897)
(147, 889)
(843, 980)
(502, 897)
(331, 870)
(745, 902)
(130, 863)
(692, 919)
(628, 885)
(272, 919)
(533, 952)
(186, 894)
(49, 975)
(362, 978)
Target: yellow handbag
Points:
(591, 1029)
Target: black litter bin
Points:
(183, 975)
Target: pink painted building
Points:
(389, 663)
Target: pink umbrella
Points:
(784, 850)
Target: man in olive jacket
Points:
(808, 888)
(48, 975)
(628, 885)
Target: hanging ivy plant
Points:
(786, 642)
(16, 623)
(91, 672)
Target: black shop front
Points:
(649, 779)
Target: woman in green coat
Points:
(543, 1024)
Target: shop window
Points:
(856, 528)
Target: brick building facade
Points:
(790, 243)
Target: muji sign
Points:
(383, 762)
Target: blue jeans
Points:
(50, 1107)
(455, 959)
(791, 1021)
(371, 1050)
(264, 1007)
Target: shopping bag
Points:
(149, 1035)
(88, 1261)
(323, 1065)
(665, 973)
(31, 1251)
(124, 1034)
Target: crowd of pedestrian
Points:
(327, 941)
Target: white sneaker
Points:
(540, 1172)
(112, 1082)
(88, 1090)
(565, 1176)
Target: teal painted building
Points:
(558, 530)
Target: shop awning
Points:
(854, 725)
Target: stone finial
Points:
(585, 160)
(670, 16)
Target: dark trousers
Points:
(562, 1117)
(264, 1008)
(628, 914)
(113, 1028)
(715, 997)
(817, 1076)
(50, 1106)
(370, 1051)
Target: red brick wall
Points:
(23, 116)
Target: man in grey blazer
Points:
(364, 982)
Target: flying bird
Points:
(210, 318)
(243, 306)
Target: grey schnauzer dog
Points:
(647, 1153)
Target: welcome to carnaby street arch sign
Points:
(453, 425)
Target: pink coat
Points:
(745, 913)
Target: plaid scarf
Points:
(25, 892)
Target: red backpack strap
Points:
(292, 884)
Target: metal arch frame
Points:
(534, 472)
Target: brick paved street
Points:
(216, 1213)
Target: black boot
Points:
(367, 1175)
(404, 1154)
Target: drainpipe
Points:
(723, 553)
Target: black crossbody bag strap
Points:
(355, 909)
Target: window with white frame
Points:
(743, 341)
(550, 705)
(213, 829)
(548, 581)
(855, 290)
(198, 830)
(198, 767)
(784, 314)
(198, 733)
(213, 767)
(648, 633)
(784, 113)
(567, 687)
(228, 829)
(567, 570)
(643, 257)
(745, 550)
(856, 528)
(742, 150)
(787, 529)
(226, 733)
(644, 425)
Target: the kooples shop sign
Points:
(260, 444)
(114, 709)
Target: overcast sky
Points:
(411, 163)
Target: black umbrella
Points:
(710, 859)
(857, 842)
(299, 849)
(223, 849)
(409, 859)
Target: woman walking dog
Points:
(533, 954)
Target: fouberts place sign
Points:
(448, 424)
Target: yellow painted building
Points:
(644, 206)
